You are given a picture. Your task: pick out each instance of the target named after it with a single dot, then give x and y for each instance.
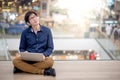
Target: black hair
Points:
(26, 18)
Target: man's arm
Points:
(50, 45)
(22, 46)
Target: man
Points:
(37, 39)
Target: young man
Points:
(37, 39)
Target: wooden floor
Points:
(68, 70)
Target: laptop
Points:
(32, 56)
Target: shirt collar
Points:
(31, 30)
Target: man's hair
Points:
(26, 18)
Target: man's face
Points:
(33, 20)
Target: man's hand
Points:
(43, 57)
(17, 55)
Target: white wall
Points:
(67, 44)
(76, 44)
(13, 44)
(62, 44)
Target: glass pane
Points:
(79, 27)
(4, 53)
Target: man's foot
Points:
(16, 70)
(50, 72)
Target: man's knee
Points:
(16, 60)
(50, 61)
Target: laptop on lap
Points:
(32, 56)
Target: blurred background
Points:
(82, 29)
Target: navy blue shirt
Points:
(42, 42)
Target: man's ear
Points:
(28, 23)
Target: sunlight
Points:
(78, 9)
(80, 4)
